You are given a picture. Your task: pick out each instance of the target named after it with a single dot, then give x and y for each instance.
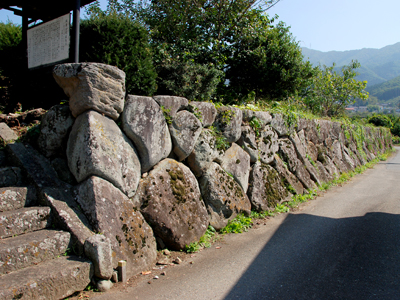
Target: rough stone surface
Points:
(10, 176)
(113, 214)
(279, 125)
(236, 162)
(204, 111)
(263, 117)
(229, 121)
(54, 130)
(223, 196)
(98, 250)
(295, 185)
(60, 165)
(97, 146)
(23, 220)
(248, 142)
(185, 130)
(288, 154)
(172, 104)
(3, 159)
(267, 144)
(54, 279)
(144, 123)
(204, 152)
(266, 188)
(12, 198)
(68, 216)
(32, 248)
(171, 204)
(7, 135)
(92, 86)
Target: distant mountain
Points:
(377, 65)
(388, 91)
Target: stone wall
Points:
(160, 169)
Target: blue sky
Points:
(327, 25)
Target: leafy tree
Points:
(267, 61)
(330, 92)
(115, 39)
(380, 120)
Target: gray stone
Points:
(98, 147)
(288, 154)
(114, 215)
(10, 176)
(204, 152)
(279, 124)
(12, 198)
(92, 86)
(54, 130)
(249, 144)
(266, 188)
(144, 123)
(267, 145)
(7, 135)
(32, 248)
(104, 285)
(204, 111)
(223, 196)
(68, 216)
(290, 180)
(54, 279)
(3, 159)
(171, 203)
(23, 220)
(185, 129)
(60, 165)
(236, 162)
(98, 250)
(171, 104)
(263, 117)
(229, 122)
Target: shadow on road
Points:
(325, 258)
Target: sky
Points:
(328, 25)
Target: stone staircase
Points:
(35, 260)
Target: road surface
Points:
(343, 245)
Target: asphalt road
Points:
(344, 245)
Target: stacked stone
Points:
(162, 174)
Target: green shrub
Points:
(380, 120)
(115, 39)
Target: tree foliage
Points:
(330, 92)
(115, 39)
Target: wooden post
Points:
(75, 31)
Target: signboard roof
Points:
(44, 9)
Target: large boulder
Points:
(171, 203)
(223, 196)
(54, 130)
(113, 214)
(97, 147)
(280, 125)
(185, 129)
(204, 111)
(289, 155)
(248, 142)
(266, 187)
(92, 86)
(144, 123)
(204, 152)
(229, 122)
(236, 162)
(291, 182)
(171, 104)
(267, 144)
(262, 117)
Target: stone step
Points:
(12, 198)
(53, 279)
(24, 220)
(32, 248)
